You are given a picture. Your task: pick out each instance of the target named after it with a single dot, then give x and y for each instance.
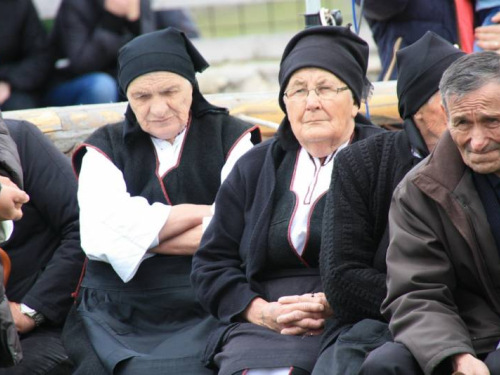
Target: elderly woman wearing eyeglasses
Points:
(257, 267)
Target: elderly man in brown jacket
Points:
(443, 262)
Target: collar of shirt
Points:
(168, 153)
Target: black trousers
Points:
(43, 354)
(395, 359)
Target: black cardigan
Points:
(45, 246)
(233, 248)
(355, 230)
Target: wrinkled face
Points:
(315, 120)
(431, 120)
(474, 123)
(161, 102)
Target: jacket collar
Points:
(444, 166)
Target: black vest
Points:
(196, 179)
(280, 252)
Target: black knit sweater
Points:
(355, 235)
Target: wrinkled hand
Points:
(11, 200)
(299, 322)
(129, 9)
(24, 324)
(467, 364)
(299, 318)
(488, 37)
(4, 92)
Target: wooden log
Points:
(69, 126)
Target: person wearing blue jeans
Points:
(486, 11)
(91, 88)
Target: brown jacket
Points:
(443, 267)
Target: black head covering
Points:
(333, 48)
(167, 50)
(164, 50)
(420, 67)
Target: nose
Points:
(312, 100)
(158, 107)
(478, 139)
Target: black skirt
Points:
(152, 324)
(247, 345)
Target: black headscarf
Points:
(333, 48)
(420, 67)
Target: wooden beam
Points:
(68, 126)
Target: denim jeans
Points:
(346, 355)
(43, 354)
(91, 88)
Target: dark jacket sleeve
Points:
(10, 346)
(421, 282)
(382, 10)
(353, 226)
(52, 187)
(10, 165)
(218, 274)
(88, 36)
(27, 60)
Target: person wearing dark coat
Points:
(408, 20)
(86, 38)
(355, 232)
(443, 259)
(45, 252)
(256, 270)
(146, 184)
(11, 199)
(24, 55)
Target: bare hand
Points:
(488, 37)
(4, 92)
(129, 9)
(269, 314)
(467, 364)
(24, 324)
(11, 200)
(298, 321)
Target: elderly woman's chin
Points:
(323, 138)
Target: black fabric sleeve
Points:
(382, 10)
(52, 187)
(89, 37)
(29, 72)
(218, 274)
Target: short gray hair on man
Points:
(469, 73)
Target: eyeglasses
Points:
(323, 92)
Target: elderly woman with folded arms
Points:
(145, 185)
(257, 270)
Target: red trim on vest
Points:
(79, 285)
(289, 235)
(240, 138)
(160, 178)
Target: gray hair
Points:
(469, 73)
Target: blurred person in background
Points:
(86, 38)
(24, 55)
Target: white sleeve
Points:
(6, 229)
(115, 227)
(243, 145)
